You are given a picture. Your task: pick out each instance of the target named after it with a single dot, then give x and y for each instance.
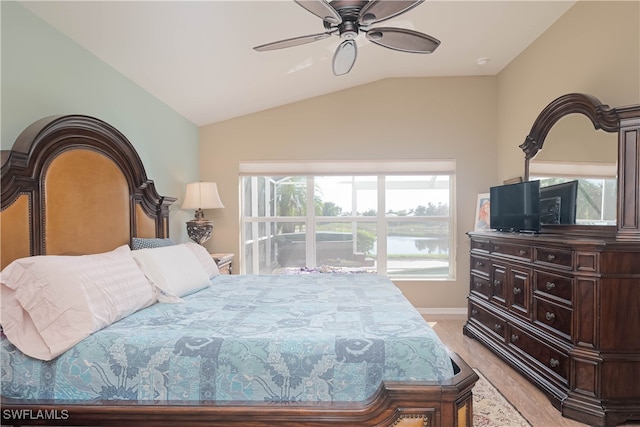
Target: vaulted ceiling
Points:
(197, 56)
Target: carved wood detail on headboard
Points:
(75, 185)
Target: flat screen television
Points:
(516, 207)
(558, 203)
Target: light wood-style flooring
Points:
(531, 402)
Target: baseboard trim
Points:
(451, 310)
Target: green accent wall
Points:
(44, 73)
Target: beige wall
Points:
(594, 48)
(479, 121)
(391, 119)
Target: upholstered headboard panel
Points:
(75, 185)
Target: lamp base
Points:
(199, 230)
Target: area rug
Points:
(491, 409)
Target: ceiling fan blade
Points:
(295, 41)
(403, 40)
(322, 10)
(379, 10)
(345, 57)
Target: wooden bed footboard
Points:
(398, 404)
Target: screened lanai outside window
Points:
(391, 223)
(597, 188)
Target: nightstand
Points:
(224, 262)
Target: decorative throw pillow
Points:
(148, 243)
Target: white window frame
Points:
(379, 168)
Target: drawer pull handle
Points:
(550, 286)
(522, 252)
(550, 316)
(516, 291)
(496, 248)
(479, 263)
(554, 363)
(497, 327)
(474, 312)
(478, 284)
(551, 257)
(497, 282)
(514, 338)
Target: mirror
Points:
(573, 149)
(624, 124)
(574, 139)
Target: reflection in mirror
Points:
(573, 149)
(573, 139)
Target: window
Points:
(597, 186)
(394, 218)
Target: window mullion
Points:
(268, 227)
(453, 248)
(255, 227)
(354, 213)
(310, 239)
(381, 227)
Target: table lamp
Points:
(199, 196)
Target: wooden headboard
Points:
(74, 185)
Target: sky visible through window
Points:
(337, 189)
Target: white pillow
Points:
(173, 269)
(50, 303)
(204, 257)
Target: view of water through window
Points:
(397, 225)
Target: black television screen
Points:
(516, 207)
(558, 203)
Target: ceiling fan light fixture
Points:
(348, 30)
(345, 57)
(348, 35)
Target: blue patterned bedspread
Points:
(319, 337)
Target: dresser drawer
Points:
(480, 285)
(480, 265)
(480, 245)
(553, 286)
(496, 326)
(554, 362)
(555, 257)
(522, 252)
(553, 317)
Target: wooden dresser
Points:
(563, 306)
(565, 313)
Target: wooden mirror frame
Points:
(623, 120)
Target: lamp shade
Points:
(202, 195)
(345, 57)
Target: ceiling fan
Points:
(347, 18)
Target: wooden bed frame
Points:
(75, 185)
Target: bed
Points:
(242, 350)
